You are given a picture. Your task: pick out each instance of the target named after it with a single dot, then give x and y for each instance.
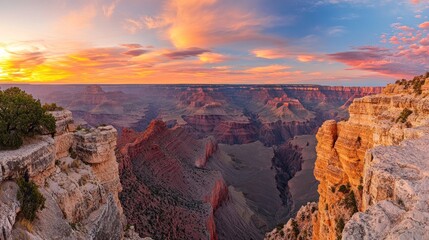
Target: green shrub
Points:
(52, 107)
(404, 115)
(30, 198)
(21, 116)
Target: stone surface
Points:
(80, 187)
(96, 147)
(63, 121)
(9, 207)
(300, 227)
(395, 195)
(361, 168)
(36, 156)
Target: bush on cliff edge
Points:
(21, 116)
(30, 198)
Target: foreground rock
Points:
(373, 168)
(77, 173)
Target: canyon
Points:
(371, 170)
(204, 162)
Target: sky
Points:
(328, 42)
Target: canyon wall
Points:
(168, 194)
(271, 114)
(372, 168)
(77, 173)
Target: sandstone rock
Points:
(97, 148)
(63, 121)
(9, 207)
(300, 227)
(36, 156)
(96, 145)
(164, 187)
(352, 178)
(396, 192)
(63, 144)
(81, 197)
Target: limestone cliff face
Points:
(359, 169)
(77, 173)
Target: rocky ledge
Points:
(77, 173)
(373, 168)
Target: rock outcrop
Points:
(372, 168)
(300, 227)
(77, 173)
(168, 194)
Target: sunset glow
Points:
(213, 41)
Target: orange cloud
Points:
(205, 23)
(210, 57)
(269, 53)
(306, 58)
(286, 53)
(424, 25)
(268, 69)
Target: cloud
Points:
(285, 53)
(424, 25)
(131, 45)
(132, 26)
(206, 23)
(268, 69)
(108, 9)
(135, 52)
(336, 30)
(210, 57)
(190, 52)
(305, 58)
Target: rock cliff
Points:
(372, 168)
(77, 173)
(168, 194)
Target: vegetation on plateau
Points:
(52, 107)
(21, 116)
(416, 83)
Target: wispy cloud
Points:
(108, 9)
(408, 56)
(205, 23)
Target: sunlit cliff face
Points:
(213, 41)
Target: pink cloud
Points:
(424, 25)
(283, 53)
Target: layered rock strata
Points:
(74, 172)
(372, 168)
(168, 194)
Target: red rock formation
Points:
(166, 195)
